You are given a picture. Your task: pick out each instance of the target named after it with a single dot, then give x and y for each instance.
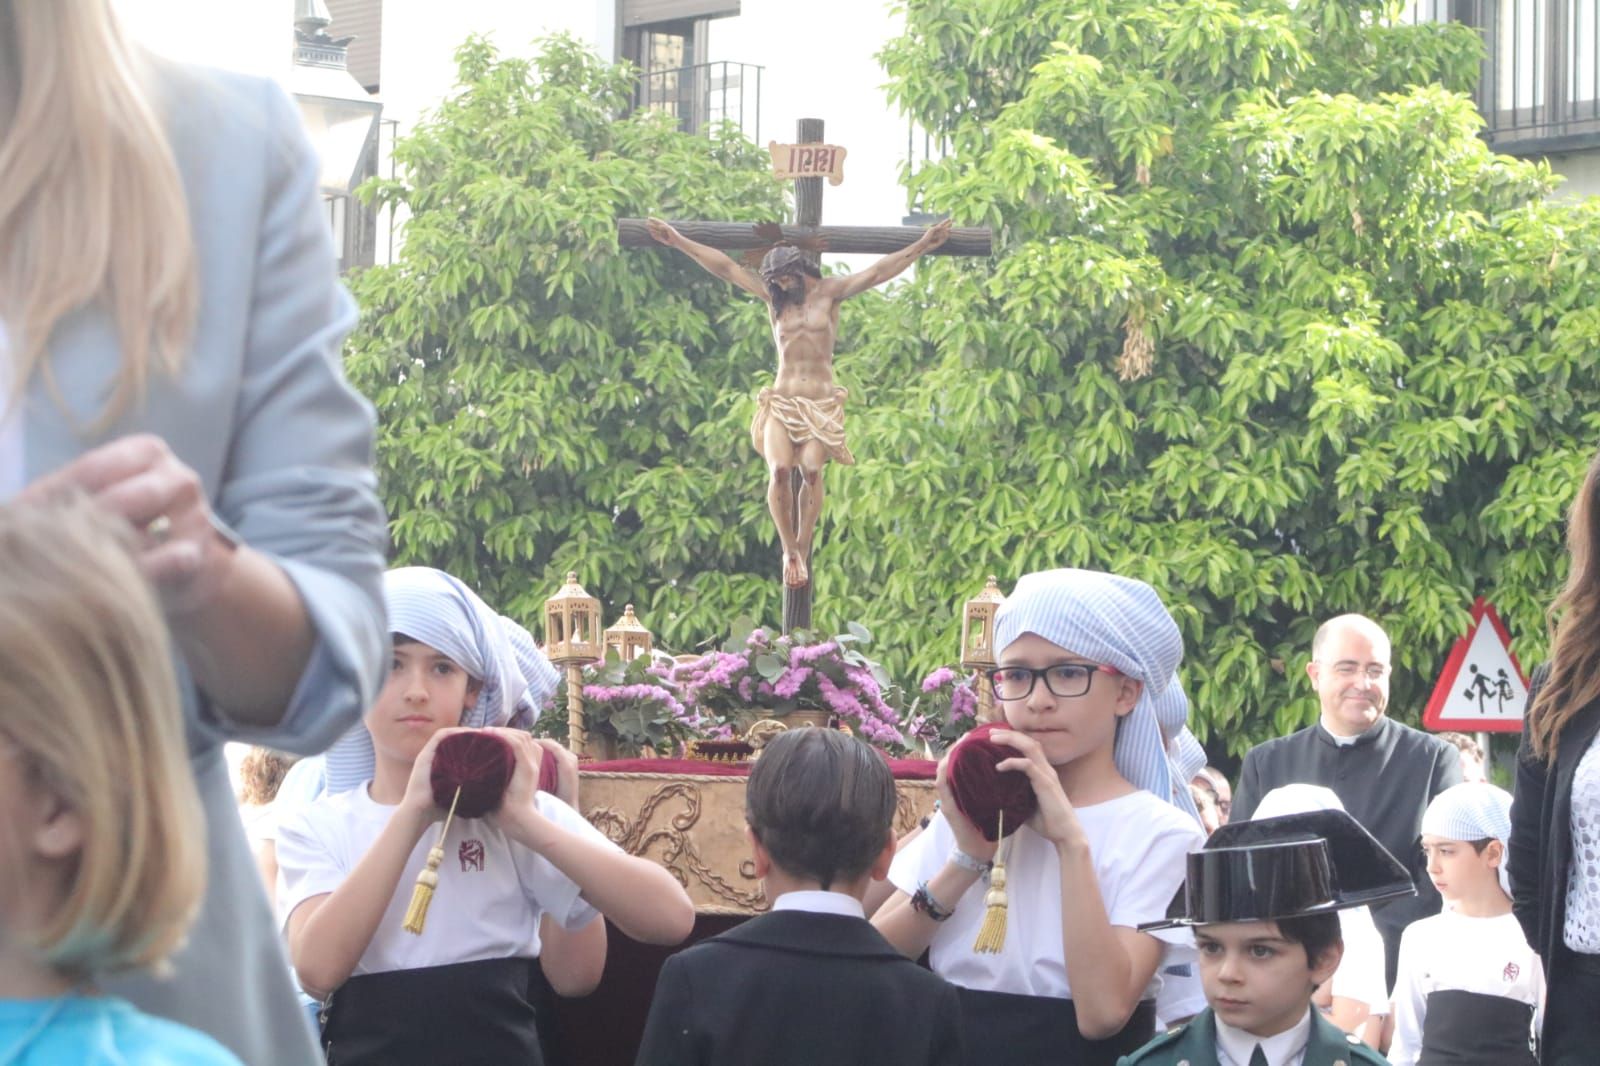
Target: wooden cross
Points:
(808, 234)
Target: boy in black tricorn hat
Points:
(1262, 897)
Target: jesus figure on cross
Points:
(799, 421)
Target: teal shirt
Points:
(100, 1031)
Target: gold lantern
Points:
(572, 639)
(977, 642)
(628, 638)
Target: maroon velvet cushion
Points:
(481, 765)
(983, 792)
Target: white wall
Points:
(1582, 171)
(819, 63)
(252, 36)
(420, 39)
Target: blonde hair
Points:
(89, 701)
(92, 207)
(261, 772)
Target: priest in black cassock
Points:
(1384, 773)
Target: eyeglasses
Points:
(1348, 670)
(1064, 680)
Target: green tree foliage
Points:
(1370, 345)
(547, 402)
(1372, 341)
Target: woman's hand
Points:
(968, 837)
(139, 479)
(1055, 820)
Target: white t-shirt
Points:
(1139, 844)
(1182, 996)
(1450, 951)
(1362, 974)
(491, 892)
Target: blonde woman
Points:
(100, 825)
(170, 324)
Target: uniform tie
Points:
(1258, 1057)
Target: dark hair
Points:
(1314, 932)
(786, 259)
(1574, 677)
(821, 803)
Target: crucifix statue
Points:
(799, 421)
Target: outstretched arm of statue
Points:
(713, 261)
(893, 263)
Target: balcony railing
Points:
(705, 93)
(922, 148)
(1539, 89)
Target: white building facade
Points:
(765, 64)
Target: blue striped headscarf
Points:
(440, 611)
(1471, 811)
(1123, 623)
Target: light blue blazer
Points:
(283, 445)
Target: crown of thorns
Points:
(787, 259)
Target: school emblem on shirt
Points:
(1511, 971)
(471, 855)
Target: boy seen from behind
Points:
(812, 981)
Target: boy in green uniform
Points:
(1262, 897)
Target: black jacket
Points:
(1541, 830)
(1385, 780)
(803, 989)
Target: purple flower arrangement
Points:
(946, 708)
(759, 674)
(638, 704)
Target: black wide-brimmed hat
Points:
(1286, 867)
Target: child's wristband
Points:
(922, 902)
(968, 862)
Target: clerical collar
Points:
(1237, 1045)
(816, 902)
(1360, 738)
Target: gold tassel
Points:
(428, 879)
(992, 934)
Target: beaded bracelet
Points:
(923, 902)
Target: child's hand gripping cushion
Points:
(983, 792)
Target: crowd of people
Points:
(192, 552)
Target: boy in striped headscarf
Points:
(1088, 686)
(526, 881)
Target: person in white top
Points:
(524, 882)
(1087, 684)
(1356, 998)
(1470, 990)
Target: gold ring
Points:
(159, 529)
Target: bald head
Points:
(1347, 623)
(1350, 669)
